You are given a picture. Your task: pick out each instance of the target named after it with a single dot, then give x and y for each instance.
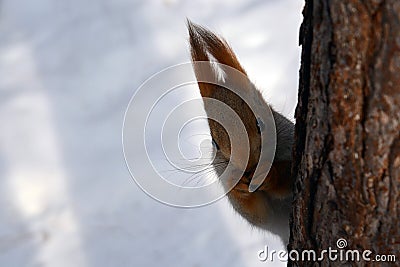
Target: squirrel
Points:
(269, 206)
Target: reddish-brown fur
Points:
(255, 206)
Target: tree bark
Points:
(347, 151)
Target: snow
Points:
(67, 72)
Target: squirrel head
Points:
(256, 207)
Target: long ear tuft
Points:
(203, 43)
(205, 46)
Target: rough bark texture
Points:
(347, 152)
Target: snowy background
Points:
(67, 72)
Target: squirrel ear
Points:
(207, 46)
(203, 40)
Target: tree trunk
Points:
(347, 151)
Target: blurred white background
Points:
(67, 72)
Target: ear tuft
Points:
(204, 43)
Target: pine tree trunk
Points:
(347, 152)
